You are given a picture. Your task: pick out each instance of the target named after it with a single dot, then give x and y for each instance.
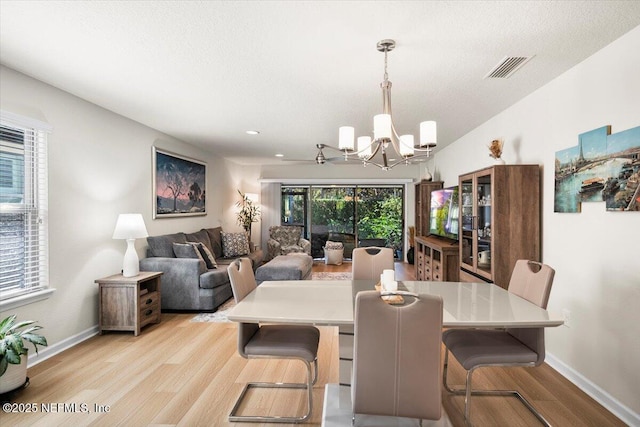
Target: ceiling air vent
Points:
(507, 66)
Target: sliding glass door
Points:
(294, 206)
(353, 215)
(380, 217)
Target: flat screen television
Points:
(444, 213)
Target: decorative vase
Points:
(410, 255)
(427, 175)
(499, 161)
(15, 376)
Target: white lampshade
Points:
(382, 126)
(130, 227)
(364, 147)
(428, 134)
(406, 145)
(346, 138)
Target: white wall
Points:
(99, 166)
(595, 253)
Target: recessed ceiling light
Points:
(279, 155)
(253, 132)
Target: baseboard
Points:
(602, 397)
(45, 353)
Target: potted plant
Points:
(13, 364)
(248, 213)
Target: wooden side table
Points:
(129, 303)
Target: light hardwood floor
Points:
(190, 374)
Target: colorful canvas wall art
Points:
(179, 184)
(602, 167)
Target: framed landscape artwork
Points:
(179, 185)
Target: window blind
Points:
(24, 249)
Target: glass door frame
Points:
(308, 226)
(305, 190)
(481, 235)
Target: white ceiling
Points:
(207, 71)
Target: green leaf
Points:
(6, 324)
(21, 325)
(31, 329)
(3, 365)
(35, 339)
(13, 357)
(14, 344)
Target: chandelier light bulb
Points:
(364, 147)
(406, 145)
(428, 134)
(382, 126)
(346, 136)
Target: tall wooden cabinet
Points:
(423, 204)
(500, 221)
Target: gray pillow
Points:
(161, 246)
(216, 240)
(200, 236)
(186, 250)
(206, 254)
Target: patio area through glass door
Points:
(354, 215)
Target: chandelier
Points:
(385, 135)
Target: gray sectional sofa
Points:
(187, 283)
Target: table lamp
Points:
(130, 227)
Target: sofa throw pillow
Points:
(161, 246)
(200, 236)
(206, 254)
(186, 250)
(234, 244)
(216, 240)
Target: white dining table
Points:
(323, 302)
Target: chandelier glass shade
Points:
(385, 137)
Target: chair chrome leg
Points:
(234, 417)
(467, 395)
(444, 373)
(315, 371)
(468, 392)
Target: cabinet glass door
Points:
(476, 216)
(467, 229)
(483, 224)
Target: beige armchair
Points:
(286, 239)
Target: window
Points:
(24, 254)
(357, 215)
